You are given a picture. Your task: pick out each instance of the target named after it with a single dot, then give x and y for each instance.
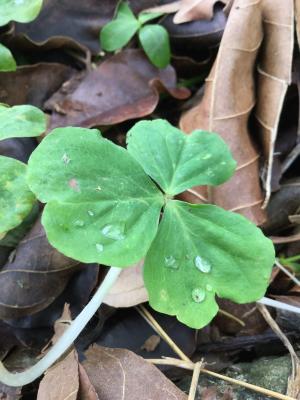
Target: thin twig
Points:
(190, 366)
(287, 272)
(231, 316)
(155, 325)
(198, 195)
(293, 381)
(195, 379)
(186, 363)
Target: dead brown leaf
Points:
(10, 393)
(34, 275)
(61, 381)
(129, 289)
(189, 10)
(86, 389)
(120, 374)
(274, 71)
(32, 84)
(226, 105)
(125, 86)
(230, 96)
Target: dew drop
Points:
(171, 262)
(99, 247)
(91, 213)
(209, 288)
(202, 264)
(79, 222)
(115, 232)
(206, 156)
(66, 159)
(198, 295)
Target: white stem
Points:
(279, 304)
(65, 341)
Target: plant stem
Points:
(65, 341)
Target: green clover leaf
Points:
(21, 121)
(19, 10)
(155, 42)
(16, 200)
(118, 32)
(100, 201)
(103, 207)
(177, 161)
(7, 61)
(201, 251)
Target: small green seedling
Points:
(153, 38)
(16, 199)
(19, 11)
(113, 206)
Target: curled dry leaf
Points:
(189, 10)
(129, 289)
(274, 71)
(125, 86)
(32, 84)
(34, 276)
(230, 96)
(226, 106)
(120, 374)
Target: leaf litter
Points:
(242, 100)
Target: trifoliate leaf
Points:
(177, 161)
(155, 42)
(21, 121)
(201, 251)
(7, 61)
(118, 32)
(144, 17)
(102, 207)
(16, 200)
(19, 10)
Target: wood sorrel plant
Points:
(16, 200)
(114, 206)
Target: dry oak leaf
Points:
(129, 289)
(229, 98)
(189, 10)
(119, 374)
(34, 276)
(123, 87)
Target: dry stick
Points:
(195, 379)
(188, 364)
(287, 272)
(285, 239)
(294, 358)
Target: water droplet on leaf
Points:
(209, 288)
(115, 232)
(99, 247)
(66, 159)
(198, 295)
(202, 265)
(79, 222)
(171, 262)
(91, 213)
